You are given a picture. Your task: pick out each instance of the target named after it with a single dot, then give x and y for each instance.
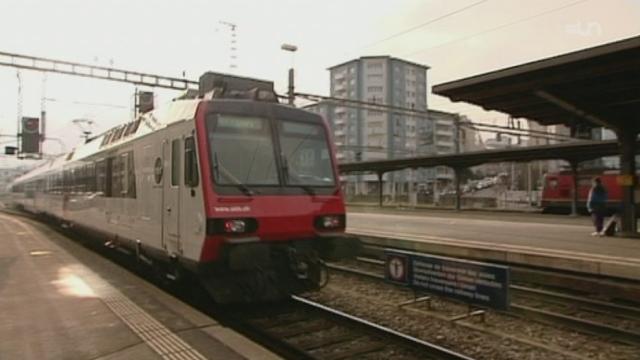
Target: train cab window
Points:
(306, 152)
(175, 162)
(190, 162)
(242, 151)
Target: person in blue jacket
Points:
(597, 205)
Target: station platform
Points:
(558, 242)
(59, 300)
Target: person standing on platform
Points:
(597, 205)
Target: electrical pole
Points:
(291, 88)
(456, 129)
(19, 109)
(43, 110)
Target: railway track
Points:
(303, 329)
(615, 321)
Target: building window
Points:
(374, 88)
(374, 77)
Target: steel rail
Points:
(545, 316)
(261, 330)
(429, 348)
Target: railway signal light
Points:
(30, 136)
(144, 101)
(10, 150)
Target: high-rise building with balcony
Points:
(362, 133)
(369, 134)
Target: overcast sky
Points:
(172, 37)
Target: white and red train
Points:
(228, 184)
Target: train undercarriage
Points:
(245, 273)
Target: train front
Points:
(274, 207)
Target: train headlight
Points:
(235, 226)
(218, 226)
(330, 222)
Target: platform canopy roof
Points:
(598, 86)
(570, 151)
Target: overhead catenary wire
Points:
(512, 133)
(500, 128)
(428, 22)
(365, 105)
(379, 149)
(496, 28)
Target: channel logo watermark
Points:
(580, 28)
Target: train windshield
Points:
(306, 154)
(243, 153)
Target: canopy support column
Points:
(574, 187)
(380, 174)
(458, 180)
(628, 180)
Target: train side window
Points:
(175, 162)
(116, 176)
(101, 175)
(108, 191)
(190, 163)
(91, 177)
(124, 175)
(67, 184)
(131, 176)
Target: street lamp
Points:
(292, 49)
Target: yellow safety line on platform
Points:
(158, 337)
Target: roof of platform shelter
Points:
(570, 151)
(598, 86)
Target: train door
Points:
(172, 154)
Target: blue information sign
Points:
(473, 282)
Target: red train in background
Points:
(557, 190)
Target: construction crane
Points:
(232, 44)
